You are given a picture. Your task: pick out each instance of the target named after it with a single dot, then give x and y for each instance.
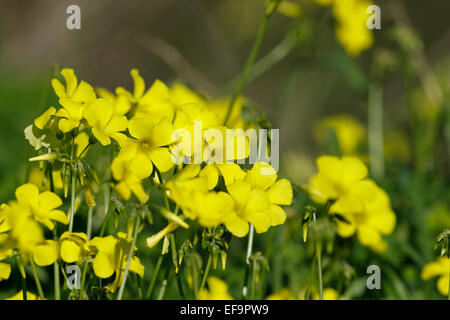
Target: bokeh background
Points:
(205, 43)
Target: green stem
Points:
(72, 201)
(162, 290)
(254, 282)
(154, 277)
(247, 259)
(319, 261)
(266, 63)
(56, 279)
(36, 279)
(251, 58)
(83, 277)
(205, 273)
(175, 263)
(375, 121)
(130, 256)
(22, 277)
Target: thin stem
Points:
(72, 201)
(56, 280)
(375, 121)
(154, 277)
(254, 282)
(319, 261)
(251, 58)
(89, 223)
(130, 255)
(162, 290)
(251, 234)
(264, 64)
(36, 279)
(175, 262)
(205, 273)
(22, 277)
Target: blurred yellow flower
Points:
(335, 177)
(41, 206)
(128, 182)
(366, 209)
(105, 125)
(351, 30)
(283, 294)
(19, 296)
(439, 268)
(328, 294)
(111, 257)
(349, 132)
(218, 290)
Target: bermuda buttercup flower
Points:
(99, 114)
(74, 91)
(439, 268)
(153, 103)
(367, 212)
(148, 146)
(335, 177)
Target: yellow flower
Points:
(218, 290)
(5, 268)
(105, 125)
(71, 114)
(148, 147)
(25, 233)
(41, 206)
(229, 171)
(4, 224)
(39, 179)
(5, 271)
(128, 182)
(283, 294)
(440, 268)
(190, 120)
(335, 177)
(46, 253)
(352, 31)
(261, 188)
(328, 294)
(19, 296)
(112, 256)
(73, 246)
(366, 208)
(43, 119)
(349, 132)
(77, 92)
(153, 103)
(121, 104)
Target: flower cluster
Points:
(363, 207)
(147, 130)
